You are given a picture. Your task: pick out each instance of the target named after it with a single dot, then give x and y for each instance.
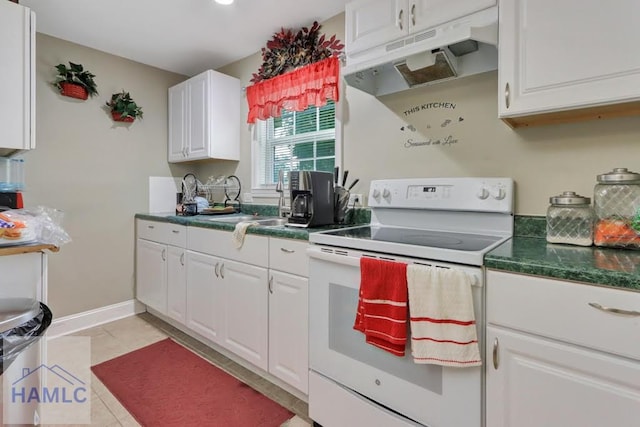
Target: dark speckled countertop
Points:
(529, 253)
(357, 216)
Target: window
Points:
(303, 140)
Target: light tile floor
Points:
(122, 336)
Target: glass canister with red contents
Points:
(616, 199)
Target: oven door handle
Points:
(317, 253)
(335, 256)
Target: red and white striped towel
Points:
(443, 326)
(382, 306)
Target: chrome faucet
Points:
(282, 210)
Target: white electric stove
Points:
(446, 222)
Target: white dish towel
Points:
(443, 326)
(240, 231)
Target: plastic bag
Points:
(16, 340)
(41, 224)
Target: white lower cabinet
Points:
(151, 274)
(251, 301)
(245, 299)
(227, 304)
(557, 354)
(24, 276)
(540, 382)
(160, 270)
(204, 296)
(288, 329)
(176, 283)
(289, 312)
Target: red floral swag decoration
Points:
(313, 84)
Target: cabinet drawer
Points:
(152, 230)
(289, 256)
(254, 250)
(562, 310)
(176, 235)
(163, 232)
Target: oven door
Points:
(429, 394)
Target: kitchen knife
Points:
(344, 177)
(353, 184)
(336, 174)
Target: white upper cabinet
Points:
(371, 23)
(567, 56)
(17, 70)
(424, 14)
(204, 118)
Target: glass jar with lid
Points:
(616, 199)
(570, 219)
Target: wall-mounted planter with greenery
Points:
(123, 108)
(75, 81)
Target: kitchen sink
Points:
(272, 222)
(265, 221)
(232, 219)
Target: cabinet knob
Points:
(164, 254)
(496, 358)
(175, 231)
(271, 284)
(222, 270)
(182, 259)
(400, 16)
(482, 193)
(215, 269)
(287, 251)
(498, 193)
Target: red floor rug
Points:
(165, 384)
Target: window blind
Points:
(303, 140)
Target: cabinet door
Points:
(425, 14)
(288, 329)
(151, 274)
(558, 55)
(540, 382)
(198, 88)
(17, 69)
(246, 311)
(204, 296)
(371, 23)
(23, 276)
(178, 123)
(176, 284)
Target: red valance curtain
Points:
(313, 84)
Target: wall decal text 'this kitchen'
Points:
(429, 106)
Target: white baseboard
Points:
(88, 319)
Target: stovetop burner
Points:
(418, 237)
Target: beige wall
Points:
(543, 161)
(96, 171)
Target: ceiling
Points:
(183, 36)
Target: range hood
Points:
(456, 49)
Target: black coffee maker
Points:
(312, 198)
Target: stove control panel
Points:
(465, 194)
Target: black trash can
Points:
(22, 322)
